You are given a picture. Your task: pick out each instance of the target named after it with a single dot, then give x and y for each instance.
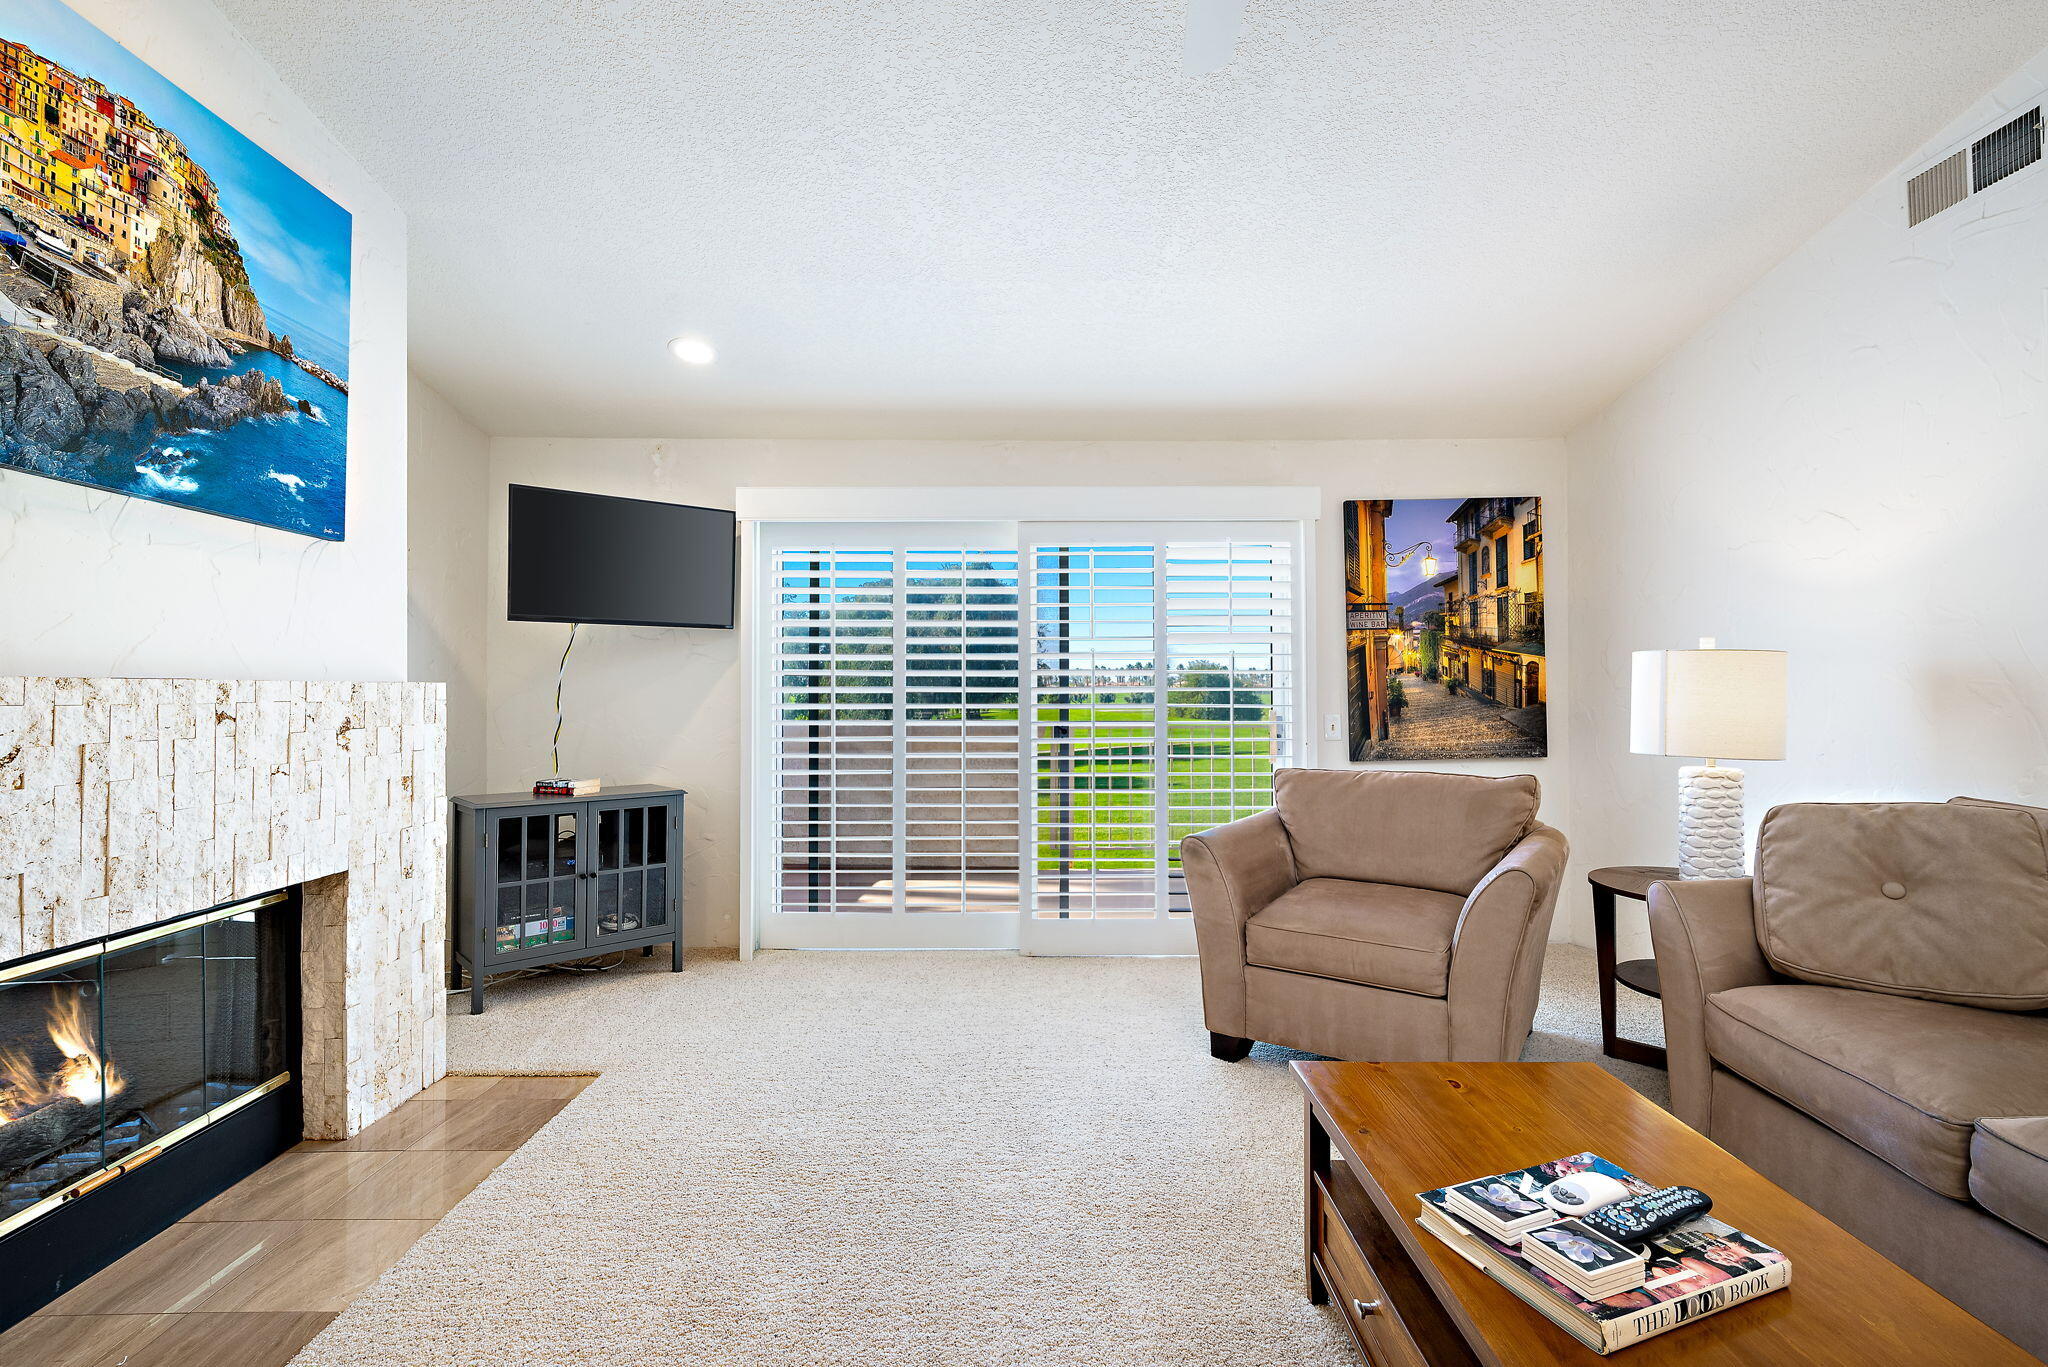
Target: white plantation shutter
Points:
(1096, 723)
(896, 730)
(1230, 631)
(1163, 697)
(836, 654)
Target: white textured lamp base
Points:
(1709, 822)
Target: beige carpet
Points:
(942, 1158)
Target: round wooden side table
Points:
(1631, 881)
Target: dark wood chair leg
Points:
(1229, 1048)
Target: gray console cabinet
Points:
(543, 880)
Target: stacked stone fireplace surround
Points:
(124, 802)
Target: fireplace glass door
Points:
(113, 1050)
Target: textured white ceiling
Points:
(1008, 218)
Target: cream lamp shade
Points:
(1716, 704)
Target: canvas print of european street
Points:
(1443, 636)
(174, 302)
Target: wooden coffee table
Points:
(1378, 1133)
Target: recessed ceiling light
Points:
(692, 350)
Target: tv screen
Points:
(618, 561)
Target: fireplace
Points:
(140, 1074)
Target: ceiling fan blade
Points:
(1212, 34)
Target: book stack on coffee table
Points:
(1605, 1293)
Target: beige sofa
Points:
(1864, 1023)
(1376, 915)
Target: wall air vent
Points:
(1940, 185)
(2012, 146)
(2003, 151)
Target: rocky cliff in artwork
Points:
(58, 416)
(204, 277)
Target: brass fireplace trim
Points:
(157, 932)
(92, 949)
(92, 1181)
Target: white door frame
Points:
(770, 517)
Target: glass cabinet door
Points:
(532, 889)
(631, 894)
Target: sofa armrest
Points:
(1704, 931)
(1497, 949)
(1233, 872)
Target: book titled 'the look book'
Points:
(1694, 1270)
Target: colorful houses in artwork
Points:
(1369, 622)
(1493, 613)
(87, 170)
(1445, 661)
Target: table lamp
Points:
(1716, 704)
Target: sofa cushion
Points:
(1906, 1079)
(1443, 832)
(1374, 933)
(2009, 1171)
(1946, 901)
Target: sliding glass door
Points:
(995, 735)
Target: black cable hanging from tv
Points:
(555, 746)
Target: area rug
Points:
(877, 1158)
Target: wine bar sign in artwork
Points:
(1443, 628)
(174, 301)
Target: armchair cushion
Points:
(2009, 1171)
(1904, 1078)
(1442, 832)
(1372, 933)
(1943, 901)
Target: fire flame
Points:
(83, 1076)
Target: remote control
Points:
(1642, 1218)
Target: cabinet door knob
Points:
(1364, 1307)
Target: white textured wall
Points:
(1849, 463)
(102, 584)
(447, 499)
(663, 706)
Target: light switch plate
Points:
(1333, 726)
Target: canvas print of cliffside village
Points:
(1443, 629)
(173, 300)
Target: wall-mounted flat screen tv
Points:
(617, 561)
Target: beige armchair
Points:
(1376, 914)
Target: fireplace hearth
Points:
(140, 1074)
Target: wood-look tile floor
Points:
(248, 1278)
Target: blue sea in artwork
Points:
(286, 472)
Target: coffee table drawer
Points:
(1359, 1296)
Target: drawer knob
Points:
(1364, 1307)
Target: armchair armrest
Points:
(1704, 932)
(1497, 949)
(1233, 872)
